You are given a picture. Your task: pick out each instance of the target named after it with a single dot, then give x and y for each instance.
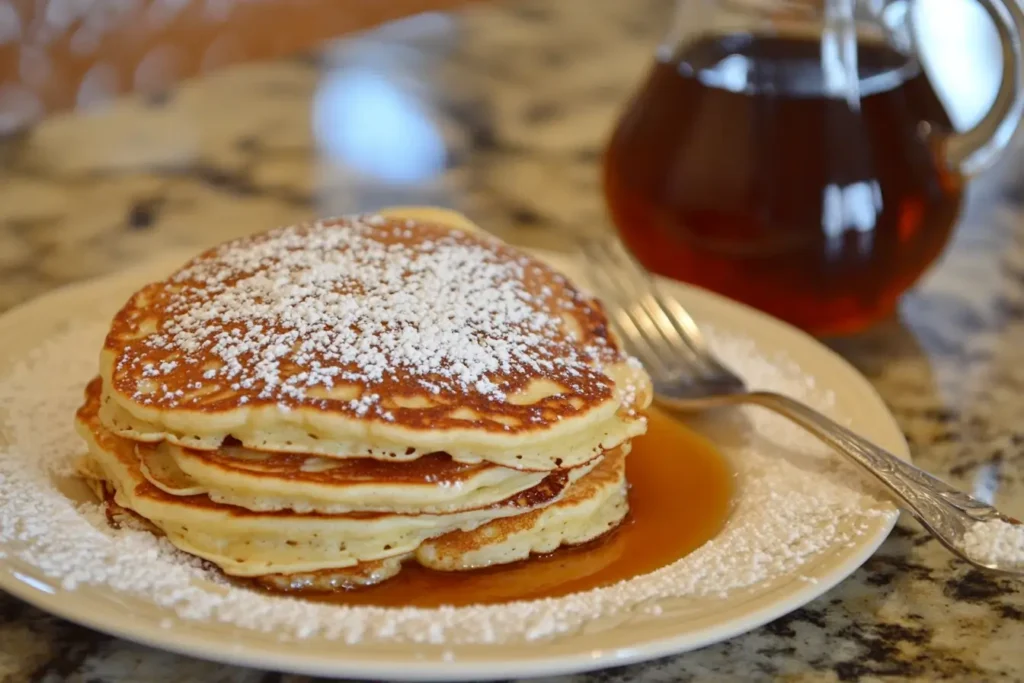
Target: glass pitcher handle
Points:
(977, 148)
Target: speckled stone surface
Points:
(512, 102)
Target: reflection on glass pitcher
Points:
(793, 155)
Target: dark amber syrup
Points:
(778, 194)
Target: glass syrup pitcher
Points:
(792, 154)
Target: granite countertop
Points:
(506, 106)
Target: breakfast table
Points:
(505, 107)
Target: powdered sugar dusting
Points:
(362, 301)
(795, 505)
(995, 541)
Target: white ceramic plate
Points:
(707, 598)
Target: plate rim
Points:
(463, 667)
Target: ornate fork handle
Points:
(946, 512)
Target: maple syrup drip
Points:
(679, 498)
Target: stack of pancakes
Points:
(314, 406)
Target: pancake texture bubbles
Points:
(316, 406)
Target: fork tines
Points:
(654, 325)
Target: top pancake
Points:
(379, 336)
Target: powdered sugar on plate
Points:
(796, 506)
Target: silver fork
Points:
(688, 377)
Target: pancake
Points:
(315, 407)
(257, 480)
(590, 509)
(593, 506)
(263, 481)
(250, 543)
(381, 336)
(331, 580)
(321, 581)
